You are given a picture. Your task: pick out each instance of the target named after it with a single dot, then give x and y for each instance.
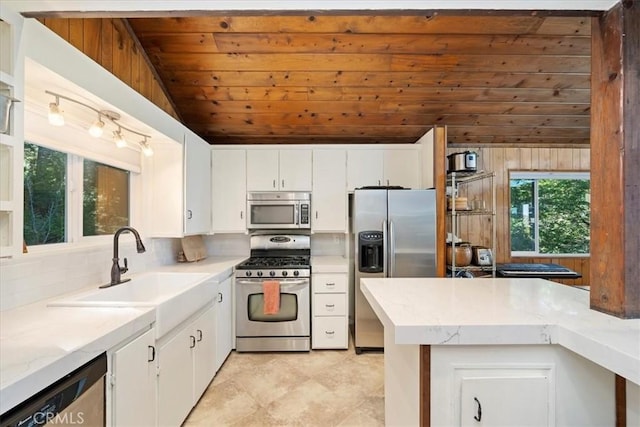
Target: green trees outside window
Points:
(45, 189)
(550, 215)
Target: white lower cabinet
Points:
(186, 365)
(225, 334)
(133, 383)
(519, 400)
(330, 321)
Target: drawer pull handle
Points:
(330, 284)
(153, 353)
(193, 341)
(329, 332)
(329, 305)
(199, 335)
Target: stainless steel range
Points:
(280, 260)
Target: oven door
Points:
(293, 319)
(273, 214)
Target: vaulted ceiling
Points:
(330, 78)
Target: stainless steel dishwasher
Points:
(77, 398)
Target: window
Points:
(45, 195)
(105, 199)
(52, 214)
(549, 213)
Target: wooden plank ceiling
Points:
(507, 80)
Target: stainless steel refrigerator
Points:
(393, 235)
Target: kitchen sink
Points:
(175, 296)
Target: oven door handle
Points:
(283, 282)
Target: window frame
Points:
(74, 201)
(538, 175)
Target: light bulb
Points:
(55, 114)
(96, 128)
(146, 148)
(119, 139)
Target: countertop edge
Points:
(538, 331)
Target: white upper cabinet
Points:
(181, 188)
(229, 191)
(197, 185)
(295, 170)
(402, 167)
(389, 166)
(278, 170)
(262, 170)
(329, 198)
(364, 168)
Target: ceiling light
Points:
(119, 139)
(55, 113)
(97, 128)
(146, 148)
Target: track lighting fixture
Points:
(146, 148)
(96, 130)
(119, 139)
(56, 117)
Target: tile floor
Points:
(319, 388)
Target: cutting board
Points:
(193, 248)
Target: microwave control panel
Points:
(304, 213)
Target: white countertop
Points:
(40, 344)
(329, 264)
(439, 311)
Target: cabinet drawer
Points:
(330, 332)
(329, 305)
(329, 283)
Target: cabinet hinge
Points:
(112, 380)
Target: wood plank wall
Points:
(501, 160)
(109, 43)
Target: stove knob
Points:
(248, 273)
(259, 273)
(272, 273)
(285, 273)
(296, 273)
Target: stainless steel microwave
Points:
(278, 210)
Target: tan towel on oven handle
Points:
(271, 292)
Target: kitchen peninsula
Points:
(458, 349)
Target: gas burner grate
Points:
(276, 262)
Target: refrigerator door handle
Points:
(385, 249)
(392, 251)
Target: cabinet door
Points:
(262, 170)
(295, 170)
(133, 393)
(224, 322)
(364, 167)
(402, 167)
(229, 191)
(329, 202)
(175, 379)
(204, 353)
(197, 185)
(507, 401)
